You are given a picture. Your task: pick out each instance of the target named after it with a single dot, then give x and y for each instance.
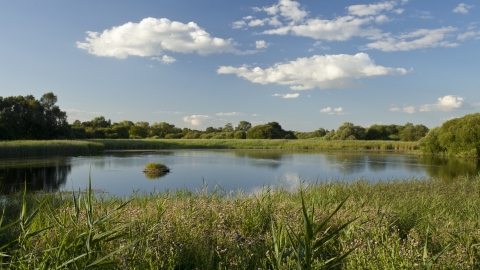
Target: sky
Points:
(305, 64)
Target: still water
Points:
(121, 173)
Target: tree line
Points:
(23, 118)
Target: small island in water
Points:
(156, 167)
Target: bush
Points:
(240, 135)
(457, 137)
(263, 132)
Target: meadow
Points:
(31, 148)
(418, 223)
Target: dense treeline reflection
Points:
(450, 168)
(47, 177)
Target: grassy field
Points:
(257, 144)
(411, 224)
(15, 149)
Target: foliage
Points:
(240, 134)
(456, 137)
(411, 133)
(348, 131)
(25, 118)
(402, 224)
(155, 166)
(263, 132)
(243, 126)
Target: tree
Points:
(348, 131)
(411, 133)
(243, 126)
(266, 131)
(430, 143)
(228, 128)
(461, 136)
(377, 132)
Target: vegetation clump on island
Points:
(417, 223)
(156, 167)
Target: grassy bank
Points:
(397, 225)
(257, 144)
(15, 149)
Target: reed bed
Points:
(402, 224)
(16, 149)
(257, 144)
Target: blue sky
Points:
(305, 64)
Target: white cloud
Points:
(72, 112)
(329, 110)
(151, 36)
(462, 8)
(196, 120)
(322, 71)
(426, 15)
(469, 35)
(287, 95)
(338, 29)
(419, 39)
(373, 9)
(287, 9)
(407, 109)
(165, 59)
(261, 44)
(446, 104)
(230, 114)
(168, 112)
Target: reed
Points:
(16, 149)
(151, 144)
(402, 224)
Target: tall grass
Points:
(417, 223)
(258, 144)
(15, 149)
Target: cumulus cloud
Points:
(288, 17)
(261, 44)
(446, 104)
(165, 59)
(196, 120)
(287, 95)
(462, 8)
(418, 39)
(329, 110)
(322, 71)
(151, 36)
(230, 114)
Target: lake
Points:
(120, 173)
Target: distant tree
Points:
(243, 126)
(210, 130)
(348, 131)
(138, 131)
(77, 123)
(263, 132)
(411, 133)
(377, 132)
(228, 128)
(240, 134)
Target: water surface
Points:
(121, 173)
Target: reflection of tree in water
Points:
(269, 159)
(450, 168)
(38, 178)
(347, 164)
